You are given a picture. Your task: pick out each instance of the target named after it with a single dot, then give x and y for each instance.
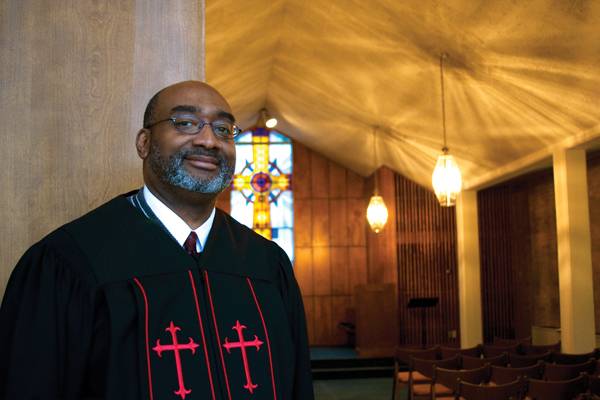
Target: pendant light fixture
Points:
(377, 213)
(265, 120)
(446, 178)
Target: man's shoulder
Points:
(68, 243)
(113, 213)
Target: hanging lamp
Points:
(377, 213)
(446, 178)
(266, 120)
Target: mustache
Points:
(200, 152)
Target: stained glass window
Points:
(261, 196)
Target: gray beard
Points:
(171, 170)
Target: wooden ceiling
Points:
(522, 78)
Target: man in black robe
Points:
(156, 294)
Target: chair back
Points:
(504, 375)
(563, 372)
(594, 385)
(566, 358)
(476, 362)
(403, 354)
(540, 348)
(448, 352)
(517, 360)
(490, 350)
(498, 341)
(559, 390)
(451, 377)
(510, 391)
(426, 367)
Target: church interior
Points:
(367, 97)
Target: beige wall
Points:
(75, 77)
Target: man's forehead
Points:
(214, 112)
(201, 97)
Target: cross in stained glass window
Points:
(261, 196)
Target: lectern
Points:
(423, 303)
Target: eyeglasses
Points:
(190, 125)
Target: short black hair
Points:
(149, 113)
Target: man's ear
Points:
(142, 143)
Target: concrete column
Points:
(575, 277)
(469, 276)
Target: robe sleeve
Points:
(303, 386)
(47, 323)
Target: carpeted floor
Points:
(355, 389)
(350, 389)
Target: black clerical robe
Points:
(110, 306)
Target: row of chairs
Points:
(549, 353)
(502, 369)
(581, 387)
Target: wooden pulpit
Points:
(376, 320)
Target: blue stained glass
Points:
(281, 203)
(276, 137)
(241, 210)
(282, 154)
(282, 213)
(285, 239)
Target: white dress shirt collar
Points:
(174, 224)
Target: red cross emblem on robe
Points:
(242, 344)
(175, 347)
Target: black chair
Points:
(504, 375)
(475, 362)
(517, 360)
(511, 391)
(444, 382)
(540, 348)
(498, 341)
(594, 385)
(403, 355)
(448, 352)
(563, 372)
(426, 368)
(490, 350)
(558, 390)
(567, 358)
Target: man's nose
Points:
(205, 137)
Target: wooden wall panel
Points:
(357, 221)
(80, 76)
(342, 310)
(340, 283)
(496, 255)
(337, 180)
(302, 181)
(338, 226)
(302, 222)
(329, 230)
(427, 263)
(320, 222)
(322, 271)
(544, 250)
(319, 175)
(357, 269)
(355, 185)
(323, 322)
(519, 271)
(303, 270)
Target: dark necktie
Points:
(190, 244)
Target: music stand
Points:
(423, 303)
